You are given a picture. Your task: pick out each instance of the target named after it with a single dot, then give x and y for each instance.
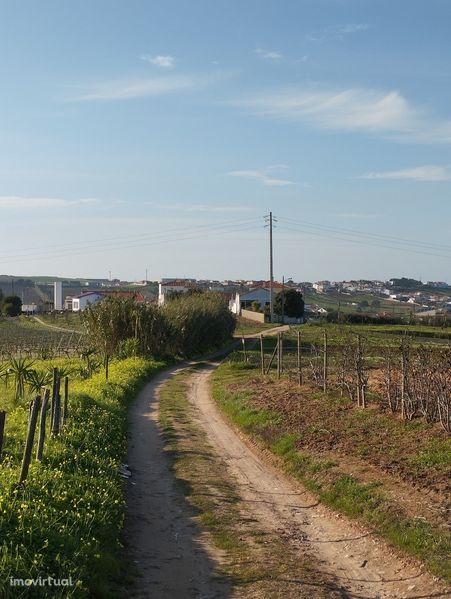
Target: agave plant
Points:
(20, 369)
(37, 380)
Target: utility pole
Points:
(270, 220)
(283, 299)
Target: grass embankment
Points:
(249, 327)
(255, 563)
(307, 430)
(65, 521)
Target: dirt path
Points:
(56, 327)
(365, 566)
(172, 556)
(175, 558)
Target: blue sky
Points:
(155, 135)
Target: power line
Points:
(329, 235)
(135, 237)
(140, 242)
(367, 235)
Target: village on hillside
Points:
(247, 298)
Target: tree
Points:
(293, 303)
(12, 305)
(256, 306)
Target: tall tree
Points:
(293, 303)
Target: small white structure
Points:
(81, 302)
(58, 295)
(241, 301)
(30, 308)
(167, 288)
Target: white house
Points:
(244, 301)
(82, 301)
(170, 287)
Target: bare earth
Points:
(176, 560)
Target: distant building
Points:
(58, 295)
(168, 287)
(30, 309)
(81, 302)
(244, 301)
(322, 286)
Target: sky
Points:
(155, 136)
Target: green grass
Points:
(340, 491)
(247, 327)
(67, 518)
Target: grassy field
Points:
(248, 327)
(67, 320)
(65, 521)
(348, 303)
(365, 464)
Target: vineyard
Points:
(403, 374)
(29, 338)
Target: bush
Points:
(198, 323)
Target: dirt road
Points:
(176, 559)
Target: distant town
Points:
(397, 296)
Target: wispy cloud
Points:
(336, 32)
(162, 61)
(428, 172)
(386, 113)
(263, 176)
(126, 89)
(268, 54)
(30, 203)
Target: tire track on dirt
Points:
(365, 565)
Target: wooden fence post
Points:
(56, 415)
(41, 438)
(276, 349)
(66, 399)
(361, 397)
(405, 374)
(54, 393)
(30, 439)
(299, 359)
(278, 355)
(243, 342)
(2, 430)
(281, 353)
(262, 354)
(325, 362)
